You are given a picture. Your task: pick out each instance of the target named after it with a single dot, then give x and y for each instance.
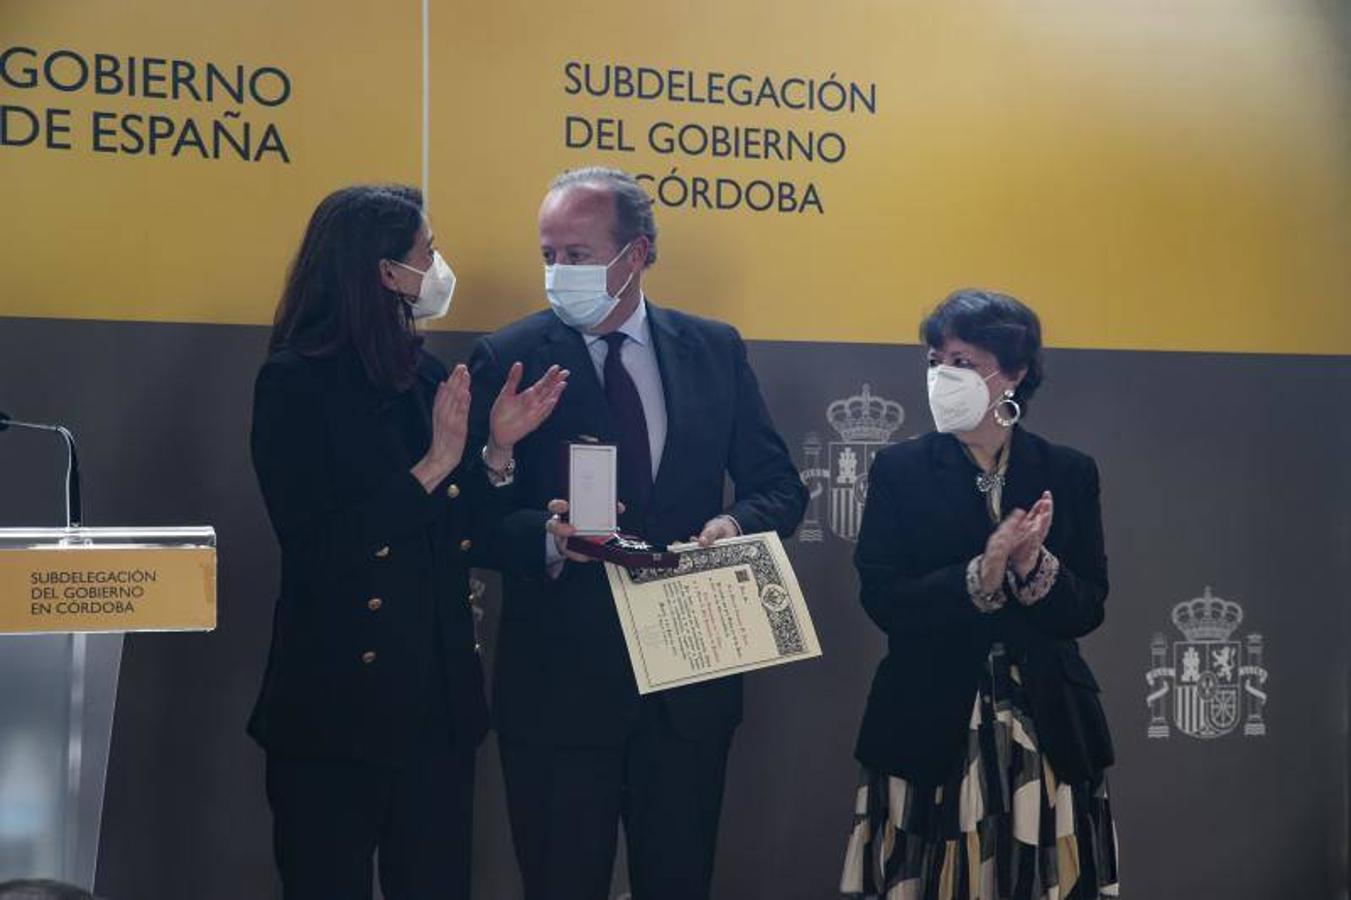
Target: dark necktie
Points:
(635, 452)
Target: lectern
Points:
(67, 596)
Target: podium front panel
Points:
(66, 597)
(57, 695)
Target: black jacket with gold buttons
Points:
(373, 643)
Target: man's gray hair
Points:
(633, 207)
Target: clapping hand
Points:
(1035, 525)
(1017, 543)
(999, 549)
(516, 414)
(450, 428)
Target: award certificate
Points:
(726, 609)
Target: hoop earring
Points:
(1007, 400)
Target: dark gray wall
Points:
(1225, 471)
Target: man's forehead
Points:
(579, 202)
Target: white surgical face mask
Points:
(580, 295)
(438, 287)
(958, 398)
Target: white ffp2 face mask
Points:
(958, 398)
(580, 295)
(438, 288)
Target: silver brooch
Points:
(988, 481)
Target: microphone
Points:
(73, 516)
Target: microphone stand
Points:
(73, 514)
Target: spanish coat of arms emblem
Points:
(1206, 684)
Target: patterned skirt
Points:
(1004, 827)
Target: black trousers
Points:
(566, 804)
(331, 817)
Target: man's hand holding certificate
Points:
(726, 609)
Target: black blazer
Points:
(370, 564)
(924, 521)
(562, 673)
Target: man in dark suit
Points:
(581, 751)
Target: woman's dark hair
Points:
(993, 322)
(334, 299)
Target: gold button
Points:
(466, 545)
(382, 553)
(374, 604)
(469, 599)
(368, 657)
(453, 491)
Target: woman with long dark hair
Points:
(980, 555)
(372, 704)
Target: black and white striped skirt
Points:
(1004, 828)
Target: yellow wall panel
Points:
(89, 234)
(1148, 175)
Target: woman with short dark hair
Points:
(372, 704)
(981, 556)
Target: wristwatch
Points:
(498, 477)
